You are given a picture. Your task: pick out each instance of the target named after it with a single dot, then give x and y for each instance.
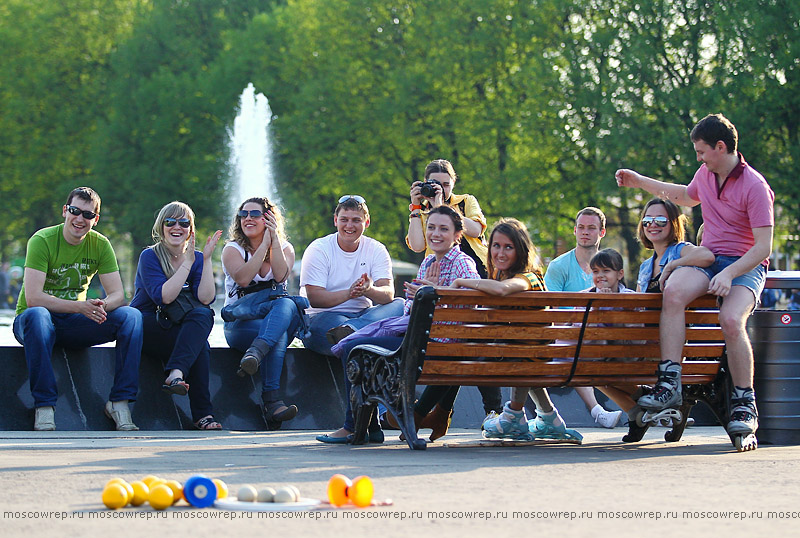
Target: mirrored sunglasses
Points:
(169, 222)
(659, 221)
(357, 198)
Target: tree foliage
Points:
(54, 71)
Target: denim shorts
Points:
(753, 280)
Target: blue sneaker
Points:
(510, 424)
(543, 428)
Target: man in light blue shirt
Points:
(571, 272)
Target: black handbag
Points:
(174, 312)
(278, 288)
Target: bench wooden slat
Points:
(438, 367)
(569, 299)
(554, 381)
(555, 351)
(531, 332)
(564, 317)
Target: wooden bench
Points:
(537, 339)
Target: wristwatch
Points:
(412, 207)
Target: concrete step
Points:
(312, 382)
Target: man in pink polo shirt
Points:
(737, 205)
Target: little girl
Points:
(608, 276)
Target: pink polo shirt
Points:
(730, 213)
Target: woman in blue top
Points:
(165, 269)
(663, 228)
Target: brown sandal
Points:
(208, 423)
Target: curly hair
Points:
(235, 232)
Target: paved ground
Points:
(51, 482)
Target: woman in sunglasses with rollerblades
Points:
(662, 228)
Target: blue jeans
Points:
(38, 330)
(277, 330)
(324, 321)
(185, 347)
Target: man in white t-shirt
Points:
(347, 278)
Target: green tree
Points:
(165, 136)
(52, 94)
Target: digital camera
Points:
(428, 190)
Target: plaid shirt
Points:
(455, 264)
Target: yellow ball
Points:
(222, 488)
(140, 493)
(148, 479)
(360, 493)
(115, 496)
(161, 497)
(177, 490)
(124, 484)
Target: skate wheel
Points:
(200, 491)
(640, 420)
(745, 443)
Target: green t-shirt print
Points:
(68, 268)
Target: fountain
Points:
(250, 160)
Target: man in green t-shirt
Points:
(53, 309)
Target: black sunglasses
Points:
(253, 213)
(357, 198)
(169, 222)
(88, 215)
(659, 221)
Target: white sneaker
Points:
(120, 413)
(45, 419)
(608, 419)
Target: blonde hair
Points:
(175, 210)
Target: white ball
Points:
(285, 495)
(266, 495)
(247, 493)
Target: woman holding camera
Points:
(437, 190)
(173, 272)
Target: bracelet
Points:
(414, 216)
(412, 207)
